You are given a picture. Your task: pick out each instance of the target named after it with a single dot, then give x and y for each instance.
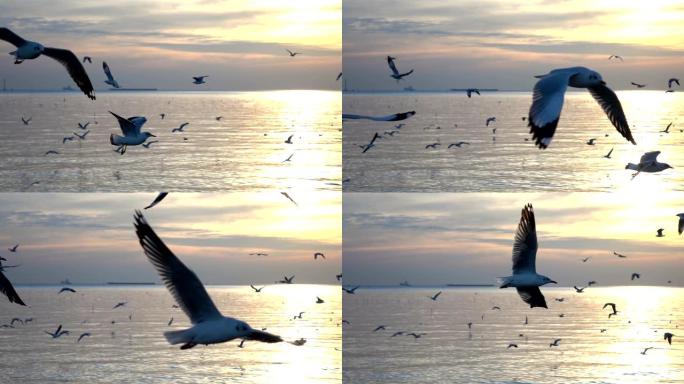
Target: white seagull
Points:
(547, 102)
(131, 130)
(395, 73)
(648, 163)
(525, 278)
(28, 50)
(110, 79)
(209, 325)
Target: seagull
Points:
(490, 120)
(395, 73)
(547, 102)
(398, 333)
(85, 334)
(589, 284)
(110, 79)
(209, 325)
(525, 278)
(257, 290)
(555, 343)
(286, 280)
(607, 156)
(470, 91)
(131, 129)
(619, 255)
(668, 336)
(371, 144)
(25, 121)
(162, 115)
(435, 296)
(393, 117)
(612, 305)
(120, 304)
(52, 152)
(680, 226)
(648, 163)
(57, 333)
(433, 145)
(586, 259)
(199, 79)
(560, 300)
(67, 289)
(258, 254)
(635, 276)
(645, 350)
(88, 59)
(672, 80)
(218, 118)
(638, 85)
(667, 129)
(379, 328)
(13, 249)
(351, 291)
(578, 289)
(289, 139)
(317, 255)
(67, 138)
(28, 50)
(157, 199)
(298, 316)
(616, 57)
(338, 77)
(591, 141)
(289, 198)
(512, 345)
(459, 144)
(180, 128)
(147, 144)
(170, 322)
(81, 136)
(319, 300)
(293, 54)
(83, 126)
(416, 335)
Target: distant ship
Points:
(134, 89)
(65, 282)
(409, 89)
(68, 88)
(404, 283)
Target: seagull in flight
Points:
(84, 126)
(209, 325)
(257, 290)
(490, 120)
(667, 129)
(289, 198)
(660, 232)
(286, 280)
(319, 300)
(120, 304)
(289, 139)
(395, 73)
(199, 79)
(351, 291)
(51, 152)
(648, 163)
(619, 255)
(671, 81)
(288, 158)
(110, 78)
(435, 296)
(13, 249)
(338, 77)
(380, 328)
(586, 259)
(293, 54)
(578, 289)
(157, 199)
(470, 91)
(525, 278)
(67, 289)
(318, 254)
(635, 276)
(607, 156)
(393, 117)
(549, 93)
(84, 334)
(554, 343)
(28, 50)
(180, 128)
(67, 138)
(81, 136)
(25, 121)
(130, 128)
(613, 306)
(459, 144)
(57, 333)
(638, 85)
(591, 141)
(668, 336)
(616, 57)
(645, 350)
(371, 144)
(512, 345)
(88, 59)
(433, 145)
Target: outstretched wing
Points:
(127, 127)
(649, 157)
(610, 103)
(107, 72)
(11, 37)
(8, 290)
(183, 284)
(393, 68)
(157, 199)
(547, 103)
(532, 296)
(525, 246)
(74, 67)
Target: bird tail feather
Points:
(504, 282)
(632, 166)
(114, 139)
(177, 337)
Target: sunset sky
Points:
(440, 238)
(503, 44)
(154, 43)
(89, 238)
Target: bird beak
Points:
(603, 82)
(553, 282)
(153, 135)
(263, 336)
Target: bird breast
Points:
(28, 51)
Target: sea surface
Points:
(123, 350)
(504, 161)
(448, 352)
(244, 151)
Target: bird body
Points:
(199, 79)
(131, 129)
(395, 72)
(110, 78)
(648, 163)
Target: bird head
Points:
(593, 78)
(246, 332)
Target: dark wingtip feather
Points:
(543, 132)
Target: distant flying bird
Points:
(289, 198)
(258, 254)
(298, 316)
(612, 305)
(319, 300)
(317, 255)
(578, 289)
(586, 259)
(525, 278)
(162, 115)
(555, 343)
(13, 249)
(130, 128)
(338, 77)
(416, 335)
(433, 145)
(288, 158)
(667, 129)
(371, 144)
(25, 121)
(170, 322)
(395, 73)
(435, 296)
(648, 163)
(379, 328)
(338, 277)
(81, 136)
(120, 304)
(398, 333)
(680, 225)
(289, 139)
(459, 144)
(619, 255)
(83, 126)
(589, 284)
(672, 80)
(607, 156)
(392, 117)
(180, 128)
(84, 334)
(668, 336)
(51, 152)
(110, 78)
(470, 91)
(67, 289)
(209, 325)
(57, 333)
(199, 79)
(591, 141)
(257, 290)
(28, 50)
(560, 299)
(287, 280)
(218, 118)
(351, 291)
(157, 199)
(88, 59)
(512, 345)
(490, 120)
(293, 54)
(547, 102)
(638, 85)
(635, 276)
(67, 138)
(660, 232)
(616, 57)
(645, 350)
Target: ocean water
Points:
(135, 351)
(449, 353)
(245, 150)
(505, 161)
